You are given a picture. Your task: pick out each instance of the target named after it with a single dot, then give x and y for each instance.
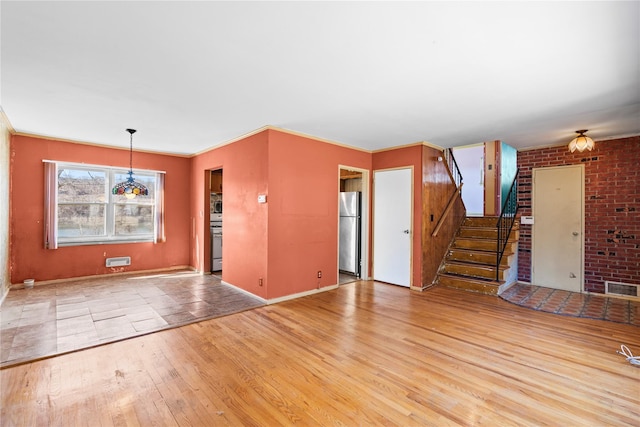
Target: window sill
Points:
(103, 242)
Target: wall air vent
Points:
(624, 289)
(118, 261)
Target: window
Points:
(85, 211)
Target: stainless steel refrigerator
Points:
(349, 259)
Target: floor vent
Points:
(618, 288)
(118, 261)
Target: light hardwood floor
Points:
(364, 354)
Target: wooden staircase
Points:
(470, 262)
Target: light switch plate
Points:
(262, 198)
(526, 220)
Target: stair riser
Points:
(452, 282)
(478, 245)
(474, 271)
(488, 258)
(486, 233)
(488, 221)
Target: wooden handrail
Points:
(447, 210)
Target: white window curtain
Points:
(50, 205)
(160, 236)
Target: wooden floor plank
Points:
(363, 354)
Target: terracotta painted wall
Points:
(612, 209)
(399, 158)
(245, 241)
(284, 241)
(303, 211)
(288, 239)
(28, 257)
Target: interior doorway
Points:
(215, 220)
(353, 219)
(470, 161)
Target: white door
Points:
(558, 228)
(392, 207)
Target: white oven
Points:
(216, 245)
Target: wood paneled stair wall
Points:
(470, 261)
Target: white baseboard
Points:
(303, 294)
(264, 301)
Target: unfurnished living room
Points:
(270, 213)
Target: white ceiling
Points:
(192, 75)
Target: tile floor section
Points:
(574, 304)
(57, 318)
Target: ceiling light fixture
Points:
(130, 188)
(581, 142)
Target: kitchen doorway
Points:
(215, 221)
(353, 208)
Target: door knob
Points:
(406, 231)
(575, 233)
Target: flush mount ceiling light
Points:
(130, 188)
(581, 142)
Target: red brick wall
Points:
(612, 209)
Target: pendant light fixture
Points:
(130, 188)
(581, 142)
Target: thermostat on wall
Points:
(526, 220)
(262, 198)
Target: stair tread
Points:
(486, 286)
(478, 227)
(476, 251)
(482, 239)
(493, 239)
(473, 250)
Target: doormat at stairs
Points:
(574, 304)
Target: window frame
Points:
(111, 203)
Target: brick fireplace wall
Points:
(612, 209)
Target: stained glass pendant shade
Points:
(130, 188)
